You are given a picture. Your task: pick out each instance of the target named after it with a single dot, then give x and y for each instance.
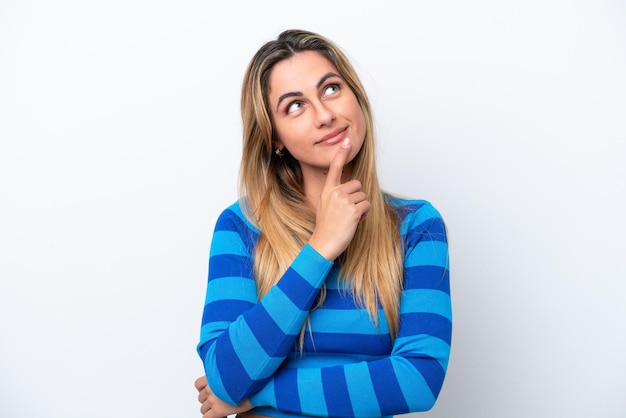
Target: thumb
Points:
(336, 165)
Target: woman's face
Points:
(313, 109)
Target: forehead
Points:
(299, 72)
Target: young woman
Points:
(326, 296)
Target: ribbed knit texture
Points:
(348, 368)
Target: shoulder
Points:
(412, 210)
(234, 218)
(418, 218)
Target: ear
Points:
(278, 144)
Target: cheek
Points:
(356, 114)
(360, 118)
(281, 132)
(290, 133)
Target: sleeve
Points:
(410, 378)
(242, 341)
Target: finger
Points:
(200, 383)
(364, 207)
(352, 186)
(336, 166)
(203, 396)
(357, 197)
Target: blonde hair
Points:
(274, 195)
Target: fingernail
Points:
(345, 143)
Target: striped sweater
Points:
(349, 367)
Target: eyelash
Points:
(334, 85)
(287, 109)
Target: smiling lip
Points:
(333, 137)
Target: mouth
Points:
(333, 137)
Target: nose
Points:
(324, 115)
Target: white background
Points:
(120, 144)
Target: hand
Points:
(214, 407)
(340, 209)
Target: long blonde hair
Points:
(272, 190)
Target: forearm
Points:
(410, 378)
(389, 386)
(242, 348)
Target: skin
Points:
(318, 119)
(309, 102)
(213, 407)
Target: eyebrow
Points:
(298, 93)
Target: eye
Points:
(294, 106)
(331, 89)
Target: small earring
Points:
(279, 152)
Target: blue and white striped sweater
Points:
(349, 367)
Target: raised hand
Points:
(341, 207)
